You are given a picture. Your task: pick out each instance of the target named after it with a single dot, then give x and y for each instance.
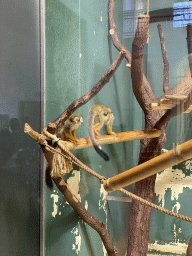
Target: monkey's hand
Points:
(109, 131)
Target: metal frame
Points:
(43, 121)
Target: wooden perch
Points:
(101, 140)
(118, 137)
(169, 102)
(172, 157)
(71, 198)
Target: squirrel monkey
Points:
(68, 131)
(100, 115)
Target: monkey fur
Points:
(68, 130)
(100, 115)
(68, 133)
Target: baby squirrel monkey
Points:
(100, 115)
(68, 130)
(68, 133)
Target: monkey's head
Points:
(76, 120)
(108, 116)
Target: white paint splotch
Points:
(103, 205)
(175, 181)
(77, 245)
(176, 248)
(55, 204)
(73, 183)
(103, 201)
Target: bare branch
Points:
(71, 198)
(141, 87)
(113, 32)
(88, 96)
(189, 45)
(183, 87)
(165, 60)
(86, 216)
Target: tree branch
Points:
(165, 60)
(86, 216)
(141, 87)
(113, 32)
(71, 198)
(189, 45)
(88, 96)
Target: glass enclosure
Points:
(79, 50)
(36, 219)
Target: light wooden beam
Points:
(118, 137)
(175, 156)
(169, 102)
(101, 140)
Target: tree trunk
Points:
(139, 224)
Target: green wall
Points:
(78, 53)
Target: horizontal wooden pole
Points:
(101, 140)
(118, 137)
(176, 97)
(175, 156)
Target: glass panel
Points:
(19, 104)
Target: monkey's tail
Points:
(101, 153)
(92, 136)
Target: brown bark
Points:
(189, 45)
(139, 223)
(113, 32)
(141, 214)
(70, 197)
(165, 60)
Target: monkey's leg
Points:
(97, 127)
(75, 140)
(69, 137)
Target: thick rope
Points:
(67, 154)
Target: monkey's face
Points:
(108, 116)
(76, 120)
